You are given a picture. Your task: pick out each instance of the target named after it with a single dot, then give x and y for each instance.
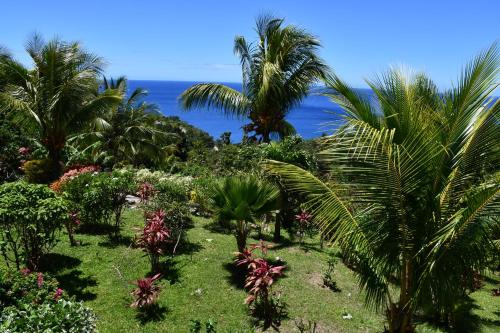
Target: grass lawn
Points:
(201, 283)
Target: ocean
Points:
(315, 116)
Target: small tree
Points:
(30, 215)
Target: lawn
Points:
(201, 283)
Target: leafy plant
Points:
(243, 199)
(30, 215)
(328, 280)
(63, 316)
(154, 238)
(304, 222)
(146, 191)
(260, 277)
(21, 287)
(147, 292)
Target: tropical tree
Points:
(59, 96)
(243, 199)
(130, 133)
(415, 195)
(278, 71)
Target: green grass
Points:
(200, 284)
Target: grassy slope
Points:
(101, 273)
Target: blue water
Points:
(315, 116)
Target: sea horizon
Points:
(315, 116)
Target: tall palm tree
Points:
(243, 200)
(58, 96)
(416, 195)
(129, 134)
(278, 71)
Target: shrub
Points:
(62, 316)
(328, 280)
(40, 171)
(154, 238)
(30, 215)
(146, 191)
(18, 288)
(11, 155)
(304, 222)
(100, 196)
(147, 292)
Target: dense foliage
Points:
(30, 215)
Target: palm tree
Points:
(130, 133)
(59, 96)
(416, 192)
(277, 73)
(243, 199)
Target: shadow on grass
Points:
(154, 313)
(96, 229)
(465, 321)
(75, 284)
(236, 275)
(112, 243)
(186, 247)
(218, 227)
(168, 270)
(54, 263)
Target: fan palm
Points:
(129, 134)
(277, 73)
(243, 199)
(57, 97)
(416, 192)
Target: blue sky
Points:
(192, 40)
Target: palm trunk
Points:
(400, 315)
(241, 235)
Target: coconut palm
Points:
(130, 133)
(416, 195)
(243, 200)
(59, 96)
(278, 71)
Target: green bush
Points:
(61, 316)
(30, 215)
(100, 197)
(40, 171)
(11, 140)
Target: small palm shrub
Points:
(154, 238)
(30, 216)
(147, 292)
(328, 280)
(243, 199)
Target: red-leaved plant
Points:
(154, 237)
(304, 220)
(146, 191)
(260, 277)
(147, 292)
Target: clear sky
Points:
(192, 40)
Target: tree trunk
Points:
(400, 315)
(241, 235)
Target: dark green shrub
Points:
(11, 149)
(62, 316)
(41, 171)
(30, 215)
